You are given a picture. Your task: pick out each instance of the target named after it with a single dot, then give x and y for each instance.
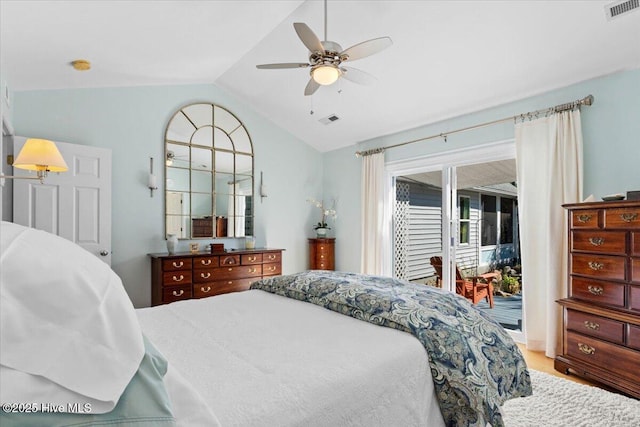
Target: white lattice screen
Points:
(401, 230)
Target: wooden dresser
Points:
(322, 254)
(602, 313)
(185, 275)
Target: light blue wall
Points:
(611, 132)
(131, 122)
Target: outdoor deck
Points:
(506, 310)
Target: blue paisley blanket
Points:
(475, 364)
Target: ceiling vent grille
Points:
(329, 119)
(619, 8)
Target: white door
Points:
(75, 204)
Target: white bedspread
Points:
(259, 359)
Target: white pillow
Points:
(65, 319)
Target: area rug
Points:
(559, 402)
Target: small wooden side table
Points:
(322, 253)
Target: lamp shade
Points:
(40, 155)
(325, 74)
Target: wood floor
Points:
(538, 361)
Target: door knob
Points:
(104, 252)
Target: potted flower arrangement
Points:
(321, 227)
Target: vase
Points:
(321, 232)
(172, 243)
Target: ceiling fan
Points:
(326, 58)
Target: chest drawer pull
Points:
(584, 218)
(586, 349)
(591, 325)
(205, 275)
(178, 294)
(252, 270)
(595, 290)
(251, 258)
(596, 241)
(271, 257)
(205, 261)
(178, 279)
(272, 268)
(230, 269)
(596, 266)
(178, 264)
(205, 290)
(628, 217)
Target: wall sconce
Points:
(38, 155)
(153, 182)
(263, 188)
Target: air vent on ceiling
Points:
(329, 119)
(619, 8)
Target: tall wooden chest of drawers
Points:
(322, 254)
(601, 334)
(185, 275)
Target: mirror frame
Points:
(187, 218)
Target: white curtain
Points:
(549, 167)
(235, 211)
(375, 229)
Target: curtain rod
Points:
(587, 100)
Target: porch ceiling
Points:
(472, 176)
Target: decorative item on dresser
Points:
(322, 253)
(602, 313)
(186, 275)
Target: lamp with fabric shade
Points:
(39, 155)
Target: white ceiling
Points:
(448, 58)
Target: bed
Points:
(307, 349)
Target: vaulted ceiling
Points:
(448, 57)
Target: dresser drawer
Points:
(229, 260)
(238, 272)
(176, 293)
(271, 269)
(202, 275)
(585, 218)
(205, 262)
(236, 285)
(202, 290)
(272, 257)
(601, 266)
(622, 218)
(621, 360)
(173, 278)
(633, 337)
(635, 270)
(634, 298)
(251, 259)
(596, 326)
(606, 242)
(635, 243)
(597, 291)
(176, 264)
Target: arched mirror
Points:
(208, 174)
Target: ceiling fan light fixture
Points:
(325, 74)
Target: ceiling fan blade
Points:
(282, 65)
(308, 37)
(311, 88)
(357, 76)
(367, 48)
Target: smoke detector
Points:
(329, 119)
(619, 8)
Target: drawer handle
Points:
(205, 261)
(321, 247)
(321, 256)
(584, 218)
(272, 257)
(272, 268)
(178, 294)
(591, 325)
(628, 217)
(178, 279)
(251, 258)
(595, 266)
(230, 269)
(205, 290)
(205, 275)
(596, 241)
(586, 349)
(230, 282)
(595, 290)
(178, 264)
(253, 270)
